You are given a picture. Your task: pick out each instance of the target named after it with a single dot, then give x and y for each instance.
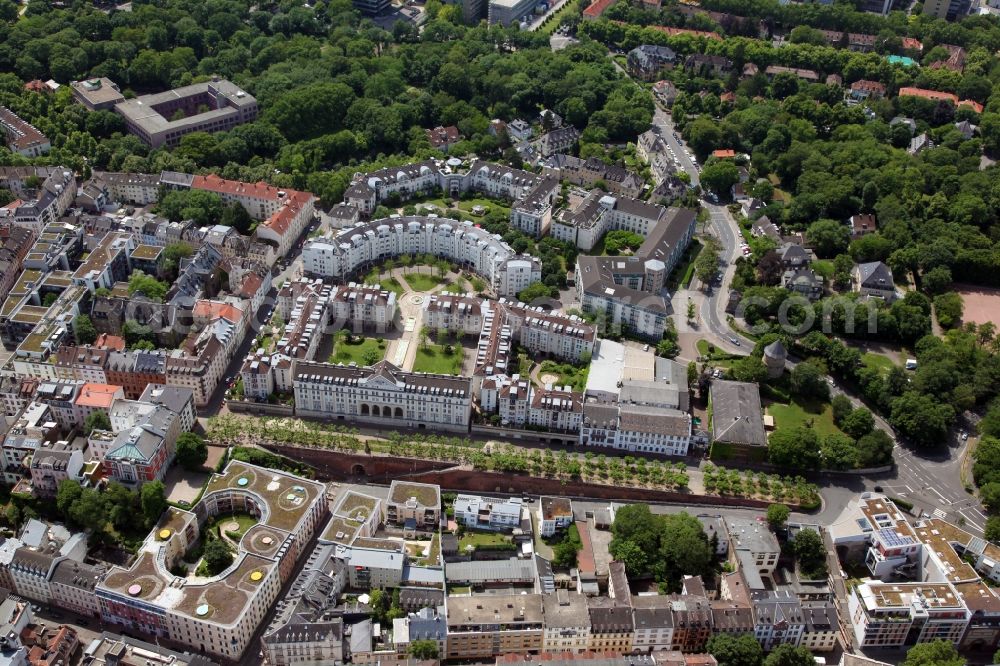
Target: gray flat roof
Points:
(490, 571)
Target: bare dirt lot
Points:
(982, 304)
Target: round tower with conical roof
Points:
(775, 356)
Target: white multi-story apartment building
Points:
(382, 394)
(362, 308)
(640, 428)
(487, 513)
(885, 614)
(554, 514)
(356, 248)
(565, 337)
(946, 563)
(420, 502)
(455, 313)
(42, 205)
(220, 614)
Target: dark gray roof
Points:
(736, 413)
(776, 350)
(565, 608)
(875, 275)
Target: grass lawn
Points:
(878, 362)
(245, 520)
(433, 358)
(481, 540)
(422, 281)
(817, 415)
(703, 346)
(569, 375)
(467, 205)
(346, 352)
(387, 283)
(685, 270)
(459, 286)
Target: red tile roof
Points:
(911, 43)
(205, 309)
(927, 94)
(105, 341)
(443, 136)
(251, 285)
(97, 395)
(597, 8)
(868, 86)
(723, 154)
(727, 97)
(213, 183)
(282, 220)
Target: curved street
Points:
(932, 481)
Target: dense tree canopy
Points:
(664, 546)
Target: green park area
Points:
(436, 359)
(363, 351)
(467, 205)
(422, 281)
(811, 414)
(569, 375)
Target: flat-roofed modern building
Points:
(507, 12)
(99, 94)
(154, 118)
(486, 513)
(486, 626)
(420, 502)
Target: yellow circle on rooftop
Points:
(256, 576)
(164, 534)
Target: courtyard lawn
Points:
(385, 282)
(422, 281)
(245, 521)
(819, 416)
(435, 359)
(345, 352)
(467, 205)
(878, 362)
(569, 375)
(459, 286)
(481, 540)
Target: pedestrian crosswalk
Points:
(938, 513)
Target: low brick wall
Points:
(245, 407)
